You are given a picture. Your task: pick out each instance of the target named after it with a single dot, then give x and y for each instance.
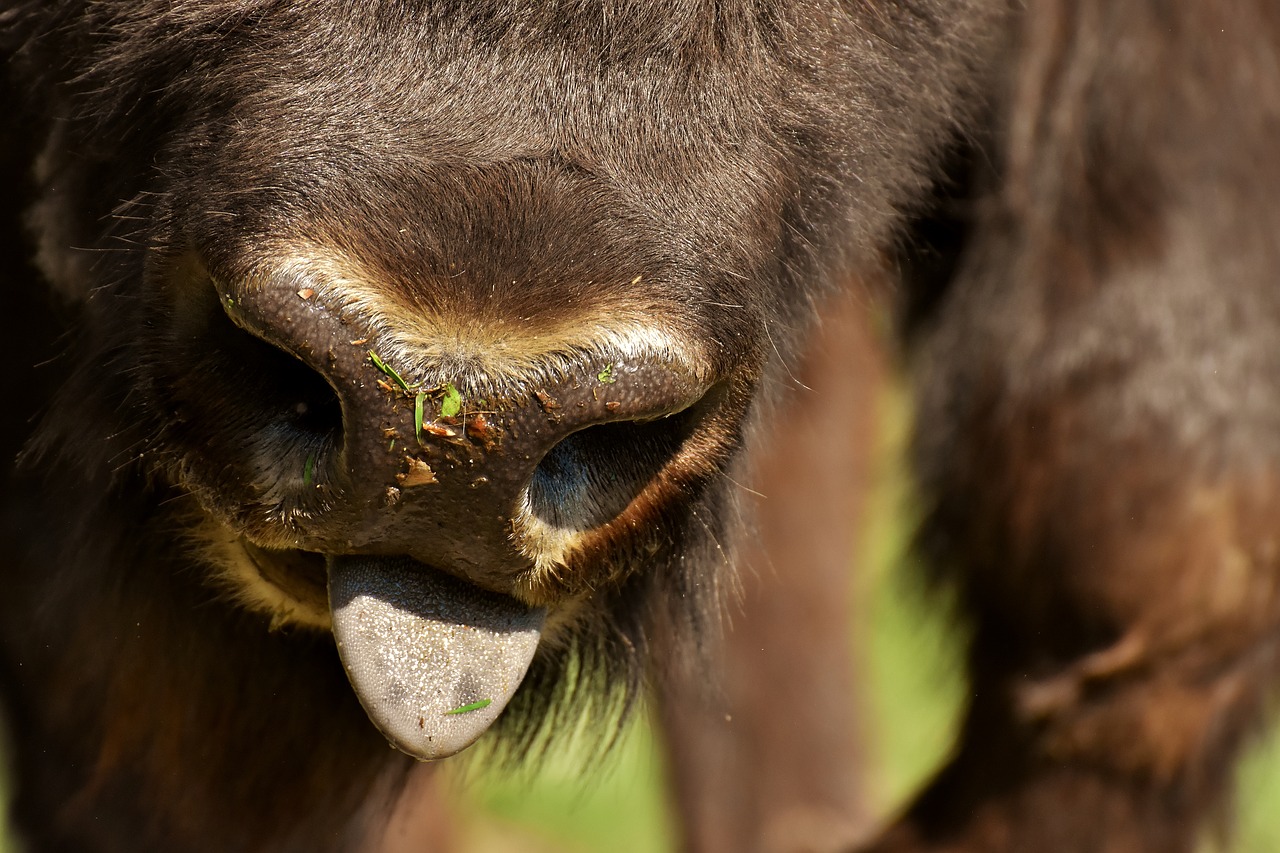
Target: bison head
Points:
(448, 325)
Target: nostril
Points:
(312, 405)
(290, 417)
(279, 388)
(592, 475)
(235, 393)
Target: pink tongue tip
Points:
(433, 659)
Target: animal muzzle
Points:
(453, 504)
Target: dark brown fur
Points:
(554, 166)
(1097, 431)
(1090, 311)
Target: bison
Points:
(407, 358)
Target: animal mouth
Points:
(299, 576)
(433, 659)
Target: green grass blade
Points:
(474, 706)
(388, 370)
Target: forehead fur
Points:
(685, 109)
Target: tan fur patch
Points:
(500, 352)
(243, 577)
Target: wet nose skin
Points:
(447, 493)
(438, 467)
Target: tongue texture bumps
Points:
(434, 660)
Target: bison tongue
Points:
(434, 660)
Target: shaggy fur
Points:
(435, 173)
(501, 192)
(1097, 432)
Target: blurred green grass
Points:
(617, 804)
(912, 692)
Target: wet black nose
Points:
(482, 480)
(480, 473)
